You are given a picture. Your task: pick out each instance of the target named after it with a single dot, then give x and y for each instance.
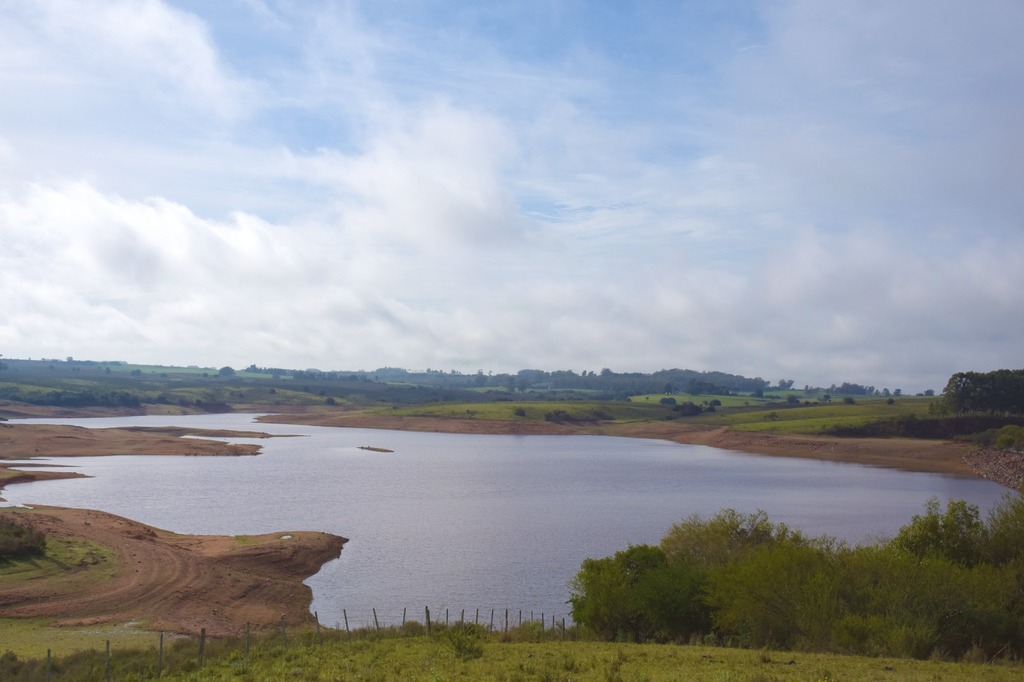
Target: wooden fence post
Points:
(345, 613)
(376, 625)
(108, 660)
(160, 660)
(403, 616)
(319, 637)
(47, 665)
(202, 645)
(426, 610)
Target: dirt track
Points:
(172, 582)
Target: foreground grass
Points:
(472, 654)
(439, 659)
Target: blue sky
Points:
(818, 191)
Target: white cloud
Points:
(325, 186)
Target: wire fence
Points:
(177, 653)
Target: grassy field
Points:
(743, 413)
(472, 654)
(558, 410)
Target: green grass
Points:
(817, 418)
(65, 564)
(572, 410)
(31, 637)
(726, 400)
(472, 654)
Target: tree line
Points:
(949, 585)
(999, 393)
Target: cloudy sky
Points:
(803, 189)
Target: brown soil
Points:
(171, 582)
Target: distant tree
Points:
(792, 400)
(226, 372)
(848, 401)
(667, 401)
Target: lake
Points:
(476, 521)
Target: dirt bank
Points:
(166, 581)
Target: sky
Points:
(792, 189)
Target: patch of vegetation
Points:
(19, 540)
(945, 587)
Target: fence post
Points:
(476, 621)
(542, 622)
(426, 610)
(376, 625)
(563, 629)
(506, 620)
(108, 660)
(284, 635)
(345, 613)
(202, 645)
(319, 637)
(47, 665)
(462, 617)
(403, 616)
(160, 660)
(446, 617)
(247, 643)
(491, 629)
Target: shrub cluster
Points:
(947, 585)
(17, 540)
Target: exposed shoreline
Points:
(167, 581)
(906, 454)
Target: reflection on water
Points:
(477, 522)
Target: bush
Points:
(17, 540)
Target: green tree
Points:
(638, 595)
(957, 535)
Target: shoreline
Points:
(906, 454)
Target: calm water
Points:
(476, 522)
